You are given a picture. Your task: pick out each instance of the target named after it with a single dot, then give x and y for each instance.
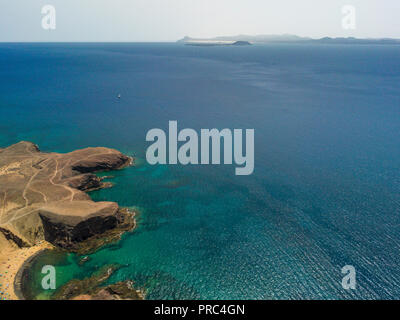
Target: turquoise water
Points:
(326, 186)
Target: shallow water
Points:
(325, 192)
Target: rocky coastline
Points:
(44, 203)
(92, 288)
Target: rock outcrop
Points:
(92, 288)
(42, 195)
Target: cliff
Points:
(42, 196)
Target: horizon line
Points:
(301, 38)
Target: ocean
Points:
(325, 192)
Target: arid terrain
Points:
(43, 203)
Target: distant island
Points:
(211, 42)
(285, 38)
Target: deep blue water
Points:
(326, 188)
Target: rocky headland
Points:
(43, 202)
(93, 288)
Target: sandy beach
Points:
(11, 260)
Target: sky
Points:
(170, 20)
